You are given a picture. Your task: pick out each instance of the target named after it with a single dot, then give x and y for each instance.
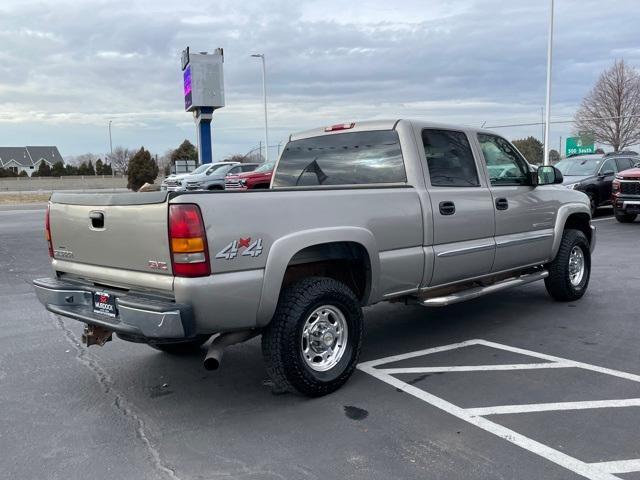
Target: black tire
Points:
(624, 217)
(558, 283)
(181, 347)
(282, 340)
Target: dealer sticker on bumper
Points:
(104, 304)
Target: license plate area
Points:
(104, 304)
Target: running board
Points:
(472, 293)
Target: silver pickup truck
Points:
(357, 214)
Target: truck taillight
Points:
(188, 241)
(47, 230)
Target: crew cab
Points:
(626, 195)
(260, 178)
(357, 214)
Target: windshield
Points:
(265, 167)
(200, 169)
(579, 166)
(219, 168)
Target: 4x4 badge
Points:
(251, 249)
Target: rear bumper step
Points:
(138, 316)
(481, 291)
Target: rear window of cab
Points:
(354, 158)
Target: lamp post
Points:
(264, 96)
(111, 150)
(548, 99)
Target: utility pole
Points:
(548, 99)
(111, 150)
(264, 97)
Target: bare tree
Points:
(119, 159)
(611, 111)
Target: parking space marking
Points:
(550, 407)
(476, 416)
(602, 219)
(478, 368)
(619, 466)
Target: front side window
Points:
(342, 159)
(609, 166)
(449, 159)
(505, 165)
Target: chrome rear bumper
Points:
(138, 316)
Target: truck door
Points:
(524, 214)
(463, 219)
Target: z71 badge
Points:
(251, 249)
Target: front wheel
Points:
(569, 272)
(624, 217)
(313, 342)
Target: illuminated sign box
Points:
(203, 80)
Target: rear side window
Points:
(449, 159)
(342, 159)
(624, 164)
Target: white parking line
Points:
(603, 219)
(619, 466)
(475, 416)
(549, 407)
(477, 368)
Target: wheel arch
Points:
(575, 216)
(311, 247)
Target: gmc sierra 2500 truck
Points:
(357, 214)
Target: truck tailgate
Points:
(126, 231)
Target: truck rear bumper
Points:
(138, 316)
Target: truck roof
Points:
(368, 125)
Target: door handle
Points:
(447, 208)
(502, 204)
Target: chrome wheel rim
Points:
(576, 266)
(324, 338)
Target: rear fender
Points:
(283, 250)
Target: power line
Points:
(560, 121)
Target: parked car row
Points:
(220, 176)
(594, 175)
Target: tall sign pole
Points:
(203, 93)
(548, 100)
(264, 98)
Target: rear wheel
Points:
(182, 347)
(624, 217)
(313, 341)
(569, 272)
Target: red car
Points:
(626, 195)
(259, 178)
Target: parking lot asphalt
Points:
(127, 411)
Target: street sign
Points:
(580, 145)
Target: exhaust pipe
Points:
(214, 353)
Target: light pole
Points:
(264, 96)
(548, 100)
(111, 150)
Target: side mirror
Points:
(548, 175)
(607, 173)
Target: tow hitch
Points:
(96, 335)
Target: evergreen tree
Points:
(99, 167)
(44, 170)
(58, 169)
(142, 169)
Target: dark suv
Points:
(593, 174)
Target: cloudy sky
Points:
(68, 67)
